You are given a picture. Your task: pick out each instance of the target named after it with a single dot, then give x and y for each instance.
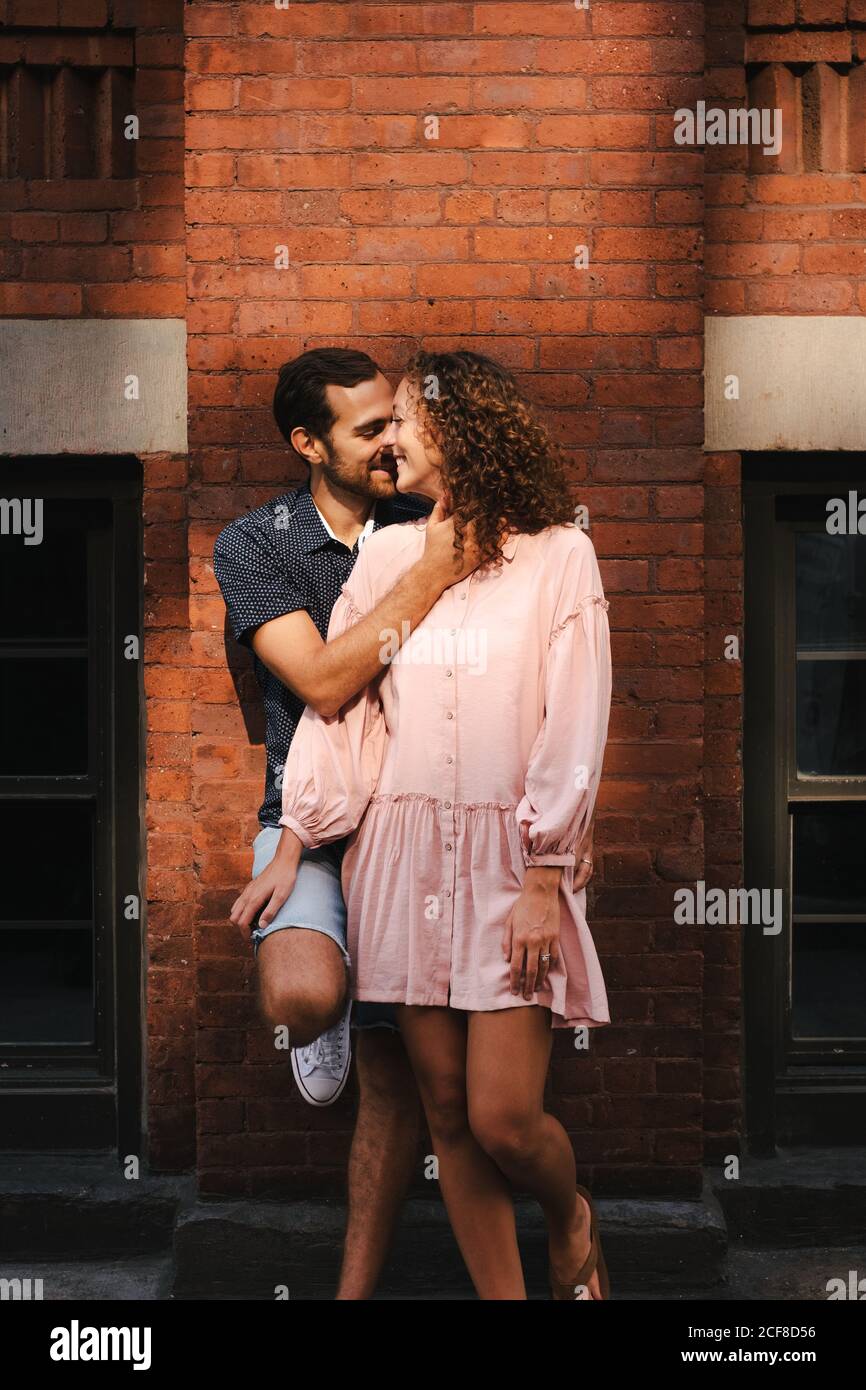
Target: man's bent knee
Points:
(303, 983)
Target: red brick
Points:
(34, 227)
(805, 47)
(609, 132)
(202, 21)
(47, 301)
(74, 263)
(262, 94)
(529, 93)
(84, 227)
(136, 300)
(90, 14)
(210, 94)
(242, 132)
(769, 14)
(441, 18)
(240, 56)
(233, 207)
(415, 94)
(523, 17)
(294, 171)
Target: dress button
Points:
(449, 715)
(447, 805)
(448, 892)
(447, 846)
(449, 759)
(448, 673)
(463, 596)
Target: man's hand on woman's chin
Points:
(440, 557)
(269, 889)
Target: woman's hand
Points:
(269, 889)
(532, 929)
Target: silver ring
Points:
(545, 957)
(587, 861)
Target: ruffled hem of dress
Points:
(471, 1005)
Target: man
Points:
(280, 569)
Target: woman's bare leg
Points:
(476, 1194)
(508, 1053)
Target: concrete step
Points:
(81, 1205)
(222, 1248)
(759, 1276)
(145, 1278)
(71, 1208)
(798, 1197)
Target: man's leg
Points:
(382, 1157)
(302, 983)
(303, 970)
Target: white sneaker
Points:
(322, 1067)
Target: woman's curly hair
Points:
(500, 468)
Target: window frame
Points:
(62, 1095)
(792, 1093)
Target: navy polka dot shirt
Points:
(275, 560)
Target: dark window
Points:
(69, 769)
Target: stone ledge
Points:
(63, 386)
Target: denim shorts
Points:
(316, 904)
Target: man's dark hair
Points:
(300, 398)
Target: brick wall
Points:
(96, 230)
(306, 129)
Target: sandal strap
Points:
(588, 1268)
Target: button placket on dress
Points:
(447, 813)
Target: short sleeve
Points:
(255, 585)
(564, 770)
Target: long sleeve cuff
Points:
(541, 860)
(303, 835)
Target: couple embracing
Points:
(430, 633)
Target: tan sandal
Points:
(595, 1258)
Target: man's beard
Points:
(357, 479)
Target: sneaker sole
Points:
(307, 1095)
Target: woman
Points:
(466, 777)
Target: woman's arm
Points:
(554, 816)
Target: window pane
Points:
(50, 846)
(828, 959)
(46, 985)
(831, 717)
(828, 986)
(43, 715)
(831, 654)
(830, 859)
(831, 590)
(43, 588)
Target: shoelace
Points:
(326, 1051)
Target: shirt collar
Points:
(315, 529)
(368, 527)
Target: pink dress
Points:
(477, 752)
